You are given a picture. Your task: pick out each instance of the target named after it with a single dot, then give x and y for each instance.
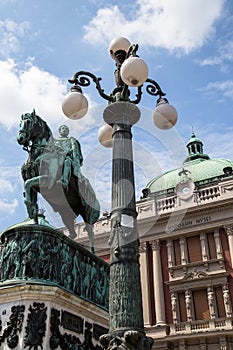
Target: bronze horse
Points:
(42, 173)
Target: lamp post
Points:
(126, 329)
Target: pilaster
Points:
(229, 231)
(203, 246)
(218, 244)
(183, 251)
(158, 284)
(146, 295)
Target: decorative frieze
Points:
(49, 257)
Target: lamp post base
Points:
(130, 340)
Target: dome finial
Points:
(193, 133)
(195, 148)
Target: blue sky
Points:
(187, 45)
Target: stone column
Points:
(229, 231)
(182, 251)
(182, 345)
(158, 284)
(227, 301)
(210, 295)
(203, 247)
(218, 244)
(203, 345)
(146, 294)
(188, 304)
(223, 343)
(174, 307)
(170, 258)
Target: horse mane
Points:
(37, 119)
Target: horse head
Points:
(32, 127)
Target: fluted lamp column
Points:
(126, 328)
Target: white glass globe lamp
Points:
(105, 135)
(165, 115)
(134, 71)
(118, 44)
(75, 104)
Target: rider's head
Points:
(63, 130)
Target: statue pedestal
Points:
(53, 292)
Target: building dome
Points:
(198, 167)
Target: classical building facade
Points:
(185, 221)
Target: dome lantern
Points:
(195, 149)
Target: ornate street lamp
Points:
(126, 329)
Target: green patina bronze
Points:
(39, 254)
(53, 169)
(36, 253)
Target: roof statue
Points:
(53, 168)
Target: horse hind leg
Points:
(68, 218)
(90, 232)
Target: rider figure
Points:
(70, 149)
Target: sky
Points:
(188, 47)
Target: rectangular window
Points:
(201, 308)
(176, 245)
(194, 248)
(182, 307)
(211, 245)
(220, 302)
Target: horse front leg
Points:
(30, 196)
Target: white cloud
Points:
(8, 186)
(21, 90)
(10, 34)
(219, 88)
(223, 58)
(7, 206)
(175, 25)
(5, 186)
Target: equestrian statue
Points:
(53, 169)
